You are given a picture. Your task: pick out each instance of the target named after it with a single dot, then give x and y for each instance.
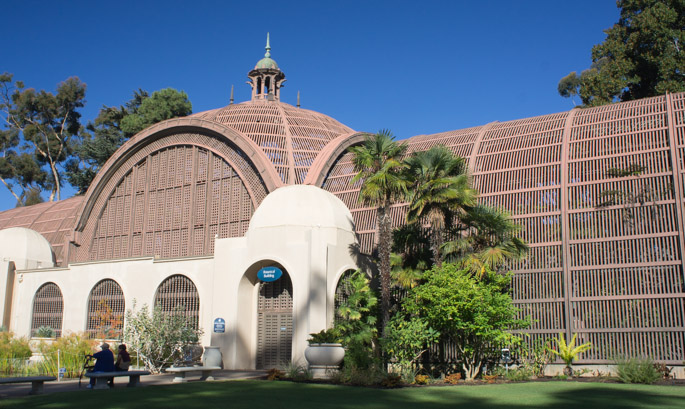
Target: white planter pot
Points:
(34, 343)
(212, 357)
(324, 358)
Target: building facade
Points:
(187, 212)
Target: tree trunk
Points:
(436, 243)
(384, 247)
(56, 188)
(10, 189)
(568, 371)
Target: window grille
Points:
(179, 291)
(48, 306)
(343, 291)
(106, 308)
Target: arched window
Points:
(48, 306)
(178, 291)
(106, 308)
(343, 290)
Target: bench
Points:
(36, 382)
(181, 372)
(101, 378)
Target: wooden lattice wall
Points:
(616, 280)
(171, 199)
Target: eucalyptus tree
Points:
(114, 125)
(379, 164)
(42, 125)
(439, 191)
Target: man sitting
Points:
(104, 363)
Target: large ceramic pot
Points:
(324, 358)
(212, 357)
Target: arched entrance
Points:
(275, 323)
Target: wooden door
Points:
(275, 323)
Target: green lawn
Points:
(264, 394)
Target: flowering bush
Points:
(159, 337)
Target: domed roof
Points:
(267, 63)
(290, 137)
(26, 247)
(303, 206)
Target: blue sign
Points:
(219, 325)
(269, 274)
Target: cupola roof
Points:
(267, 62)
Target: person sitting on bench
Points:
(104, 363)
(123, 359)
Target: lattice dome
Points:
(290, 137)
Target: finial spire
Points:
(231, 95)
(298, 98)
(268, 47)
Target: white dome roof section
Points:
(27, 248)
(303, 206)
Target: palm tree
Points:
(439, 191)
(378, 163)
(488, 239)
(411, 255)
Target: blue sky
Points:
(415, 67)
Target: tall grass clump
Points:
(637, 370)
(14, 354)
(72, 351)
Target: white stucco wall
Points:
(138, 278)
(307, 231)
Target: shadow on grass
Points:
(262, 394)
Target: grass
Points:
(265, 394)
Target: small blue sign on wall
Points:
(219, 325)
(269, 274)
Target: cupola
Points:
(266, 79)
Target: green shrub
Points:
(637, 370)
(407, 338)
(14, 354)
(296, 372)
(68, 352)
(371, 375)
(475, 313)
(356, 321)
(522, 373)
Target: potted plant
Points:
(325, 352)
(569, 352)
(42, 335)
